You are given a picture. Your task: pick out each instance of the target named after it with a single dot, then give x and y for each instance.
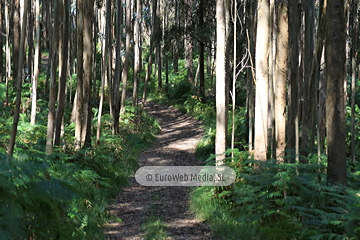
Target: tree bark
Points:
(188, 44)
(87, 70)
(354, 54)
(262, 79)
(280, 82)
(53, 77)
(137, 52)
(80, 79)
(307, 110)
(8, 55)
(103, 71)
(16, 37)
(19, 81)
(63, 74)
(36, 64)
(201, 53)
(335, 57)
(149, 67)
(221, 108)
(125, 73)
(293, 112)
(116, 80)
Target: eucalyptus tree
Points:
(125, 72)
(335, 74)
(221, 108)
(262, 80)
(19, 79)
(137, 51)
(281, 78)
(36, 63)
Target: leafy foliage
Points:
(65, 195)
(284, 201)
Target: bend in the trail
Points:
(174, 146)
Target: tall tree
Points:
(19, 80)
(79, 81)
(201, 52)
(149, 65)
(8, 55)
(281, 75)
(127, 55)
(30, 40)
(36, 63)
(63, 74)
(309, 8)
(354, 55)
(104, 53)
(293, 112)
(189, 42)
(52, 87)
(250, 73)
(16, 37)
(262, 78)
(137, 51)
(116, 79)
(221, 108)
(335, 74)
(87, 71)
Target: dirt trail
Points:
(175, 146)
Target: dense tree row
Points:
(273, 52)
(296, 94)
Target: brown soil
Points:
(175, 146)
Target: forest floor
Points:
(140, 206)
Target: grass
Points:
(218, 215)
(154, 227)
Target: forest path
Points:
(164, 210)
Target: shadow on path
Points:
(174, 146)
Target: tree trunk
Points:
(250, 73)
(354, 54)
(103, 73)
(87, 70)
(116, 80)
(8, 55)
(53, 77)
(19, 81)
(335, 57)
(16, 36)
(36, 64)
(272, 56)
(30, 41)
(63, 74)
(293, 112)
(280, 82)
(137, 61)
(149, 67)
(262, 79)
(125, 72)
(188, 44)
(201, 53)
(308, 84)
(80, 79)
(221, 126)
(175, 44)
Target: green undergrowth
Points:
(65, 195)
(282, 201)
(154, 228)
